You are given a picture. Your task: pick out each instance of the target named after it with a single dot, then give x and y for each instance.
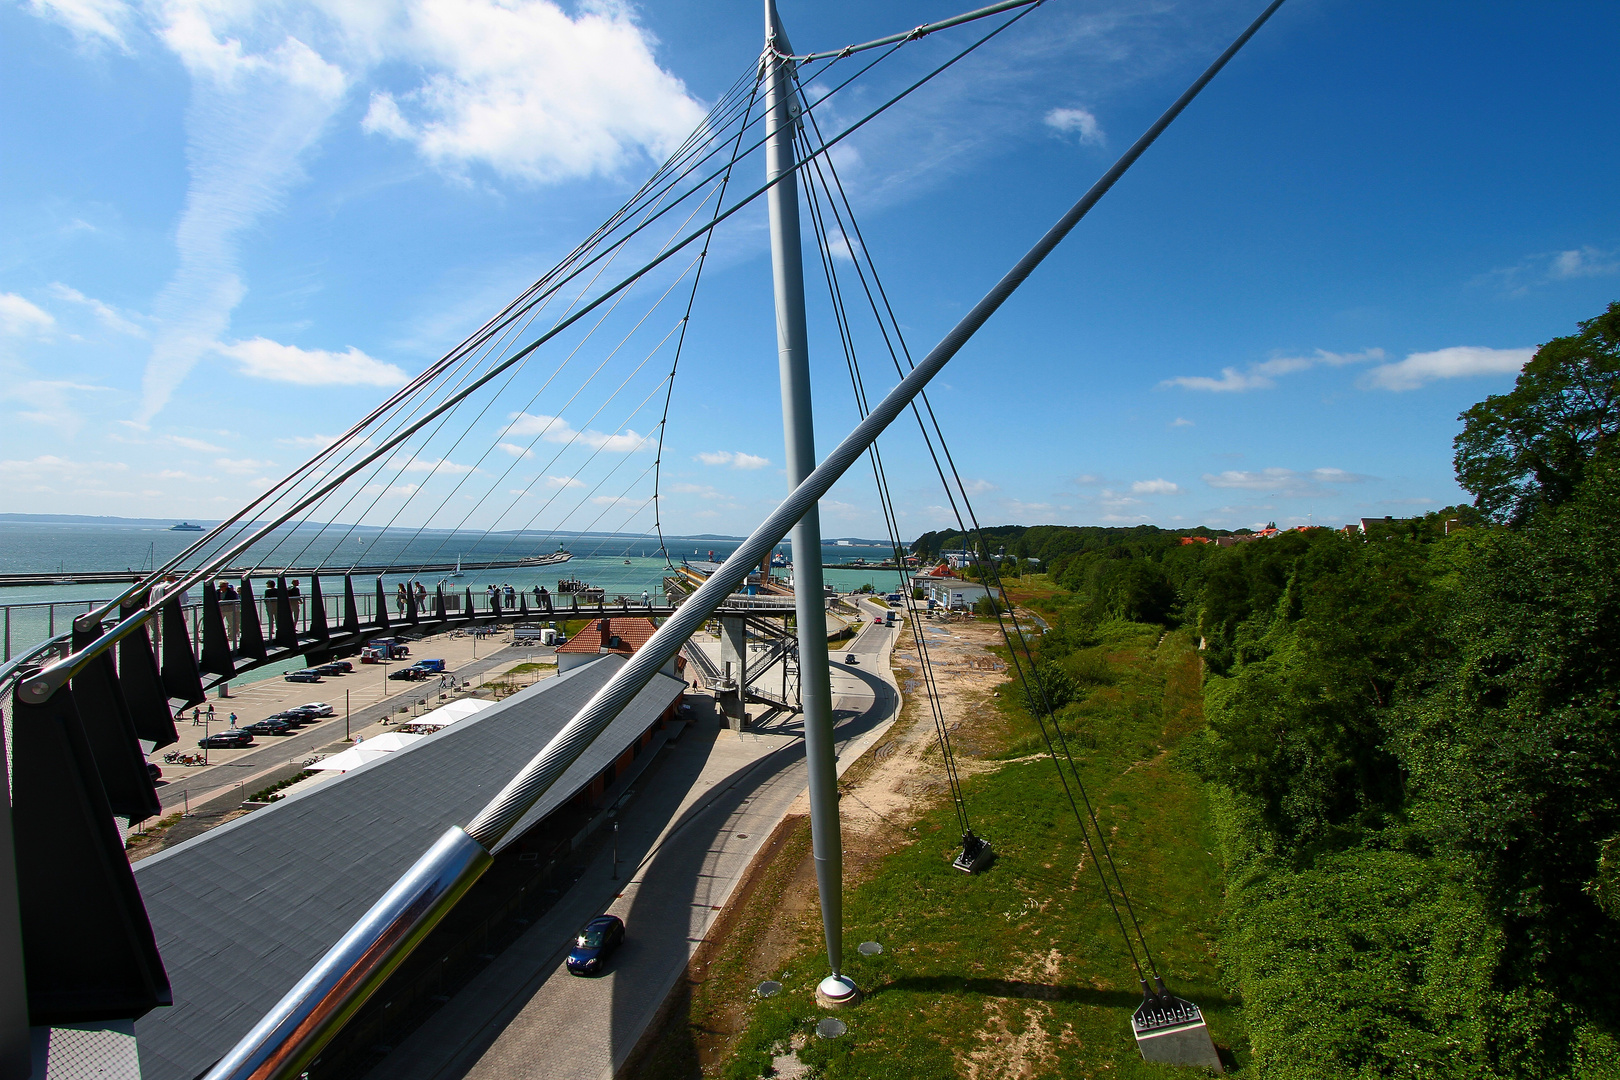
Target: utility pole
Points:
(793, 358)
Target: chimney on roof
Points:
(606, 626)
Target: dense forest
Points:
(1413, 745)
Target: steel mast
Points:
(793, 357)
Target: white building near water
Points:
(950, 593)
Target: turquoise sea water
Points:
(618, 564)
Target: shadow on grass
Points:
(1008, 988)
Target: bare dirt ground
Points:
(774, 912)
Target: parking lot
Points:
(361, 701)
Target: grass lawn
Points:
(1020, 971)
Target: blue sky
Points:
(230, 227)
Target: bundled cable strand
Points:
(1023, 665)
(885, 500)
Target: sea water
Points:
(617, 564)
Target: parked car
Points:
(391, 648)
(344, 666)
(153, 771)
(294, 718)
(317, 708)
(302, 676)
(594, 944)
(229, 739)
(268, 727)
(850, 659)
(434, 667)
(327, 669)
(409, 674)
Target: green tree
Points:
(1513, 755)
(1530, 447)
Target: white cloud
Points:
(47, 401)
(554, 429)
(50, 474)
(1282, 482)
(1582, 262)
(564, 482)
(1459, 361)
(1081, 123)
(314, 442)
(1088, 480)
(1181, 421)
(108, 315)
(192, 444)
(19, 316)
(243, 466)
(515, 450)
(90, 20)
(1263, 375)
(252, 118)
(1114, 500)
(839, 245)
(435, 466)
(1154, 487)
(262, 358)
(736, 459)
(530, 92)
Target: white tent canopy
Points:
(456, 710)
(370, 750)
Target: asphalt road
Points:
(699, 817)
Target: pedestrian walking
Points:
(230, 606)
(296, 599)
(399, 599)
(233, 719)
(161, 592)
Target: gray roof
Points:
(243, 911)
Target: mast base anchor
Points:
(837, 992)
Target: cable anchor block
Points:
(1171, 1030)
(975, 855)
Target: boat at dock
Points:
(576, 588)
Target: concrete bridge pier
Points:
(734, 663)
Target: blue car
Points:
(594, 944)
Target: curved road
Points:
(685, 840)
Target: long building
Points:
(242, 912)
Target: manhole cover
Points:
(769, 988)
(870, 948)
(830, 1027)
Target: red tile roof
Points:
(632, 633)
